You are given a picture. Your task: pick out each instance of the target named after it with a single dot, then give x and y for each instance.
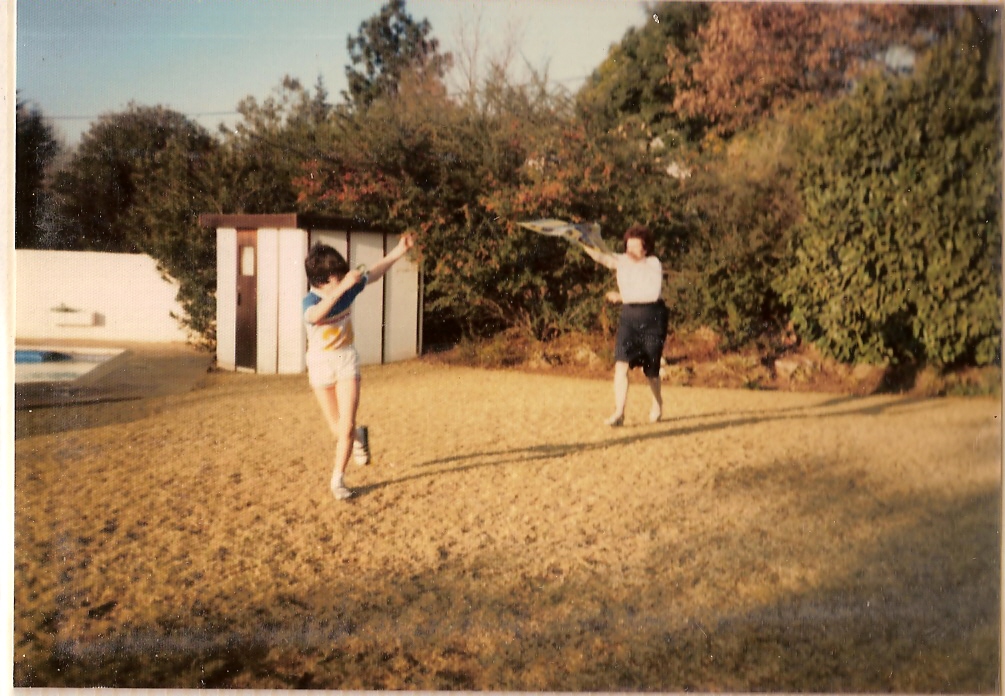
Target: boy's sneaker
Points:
(341, 492)
(361, 447)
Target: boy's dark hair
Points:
(322, 263)
(643, 233)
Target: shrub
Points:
(898, 256)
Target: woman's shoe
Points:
(615, 421)
(655, 414)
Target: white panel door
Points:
(366, 248)
(401, 309)
(292, 288)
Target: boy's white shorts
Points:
(326, 368)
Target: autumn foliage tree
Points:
(420, 161)
(756, 58)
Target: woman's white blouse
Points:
(639, 282)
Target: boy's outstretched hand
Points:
(406, 242)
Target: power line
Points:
(204, 114)
(89, 118)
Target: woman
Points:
(642, 328)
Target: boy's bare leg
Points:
(620, 394)
(341, 421)
(328, 400)
(348, 399)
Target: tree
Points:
(387, 45)
(137, 183)
(98, 185)
(36, 149)
(412, 162)
(420, 161)
(634, 81)
(738, 212)
(899, 256)
(756, 58)
(265, 151)
(171, 188)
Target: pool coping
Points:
(93, 375)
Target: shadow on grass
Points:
(669, 428)
(915, 611)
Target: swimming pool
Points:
(54, 364)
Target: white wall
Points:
(119, 297)
(292, 287)
(368, 309)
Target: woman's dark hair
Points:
(643, 233)
(322, 263)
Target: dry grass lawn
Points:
(503, 539)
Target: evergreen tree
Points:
(635, 80)
(98, 185)
(899, 256)
(387, 46)
(36, 149)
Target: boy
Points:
(332, 360)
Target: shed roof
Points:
(298, 221)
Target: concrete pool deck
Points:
(142, 370)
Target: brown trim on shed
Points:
(298, 221)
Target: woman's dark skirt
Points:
(642, 332)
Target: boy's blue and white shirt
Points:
(334, 330)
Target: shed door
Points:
(246, 335)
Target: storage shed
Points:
(261, 283)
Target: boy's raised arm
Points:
(403, 246)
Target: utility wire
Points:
(88, 118)
(204, 114)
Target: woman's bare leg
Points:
(620, 394)
(656, 411)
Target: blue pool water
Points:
(39, 356)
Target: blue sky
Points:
(80, 59)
